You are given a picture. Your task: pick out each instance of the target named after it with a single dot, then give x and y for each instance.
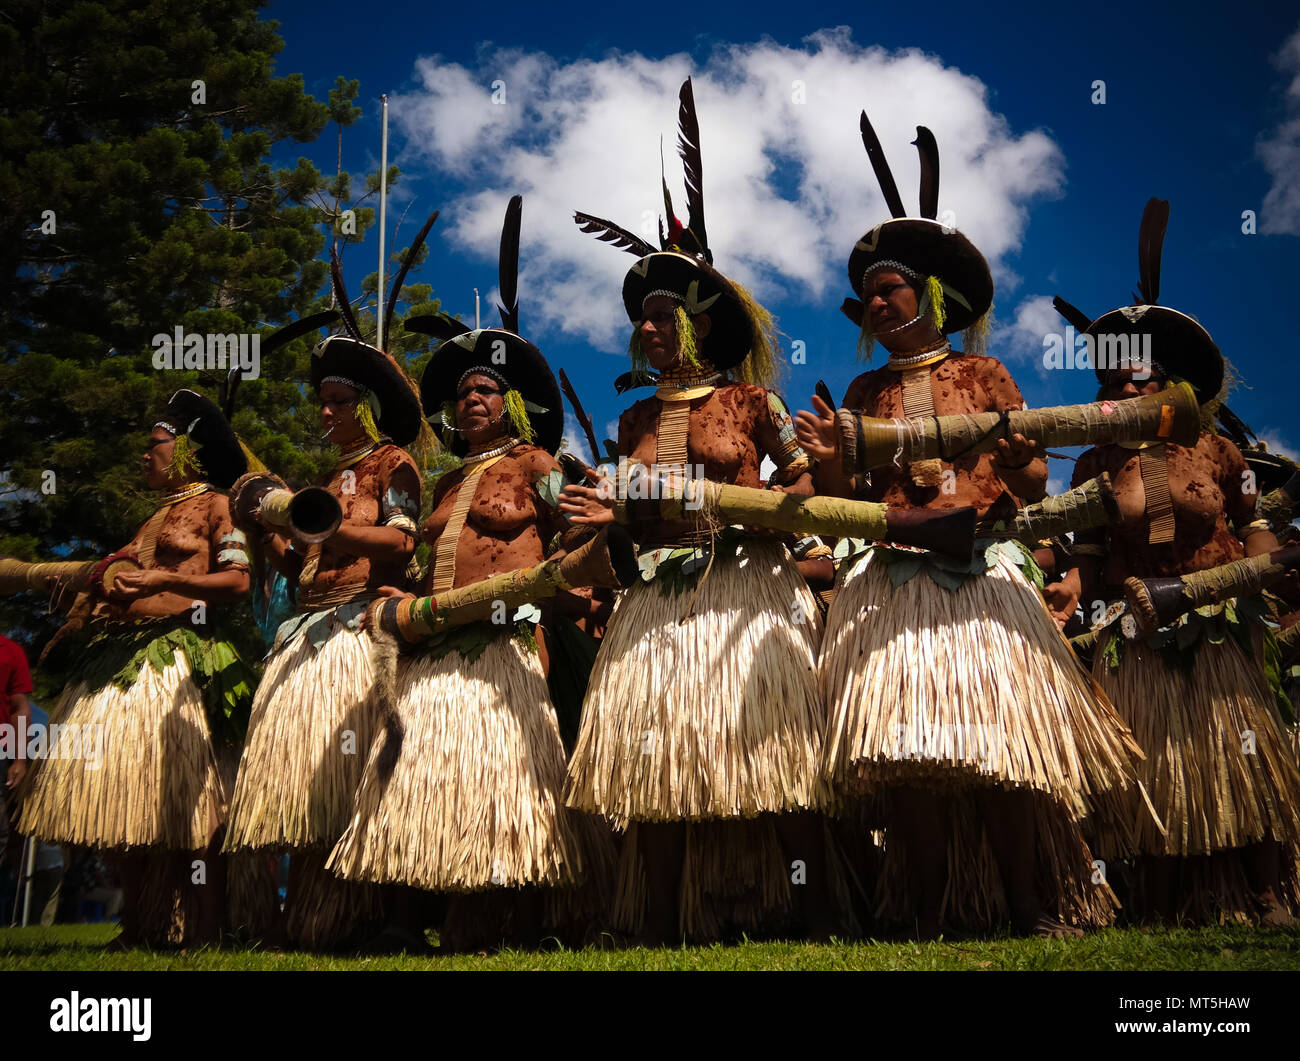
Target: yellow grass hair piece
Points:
(448, 423)
(974, 340)
(514, 403)
(687, 341)
(366, 417)
(934, 295)
(639, 361)
(185, 462)
(254, 465)
(866, 339)
(760, 367)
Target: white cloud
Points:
(1022, 339)
(1276, 443)
(788, 187)
(1280, 153)
(575, 439)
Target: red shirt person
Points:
(15, 684)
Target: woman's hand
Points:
(383, 591)
(1017, 452)
(1063, 598)
(132, 585)
(588, 504)
(817, 432)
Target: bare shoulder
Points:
(534, 460)
(388, 459)
(862, 386)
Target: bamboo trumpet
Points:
(19, 576)
(311, 514)
(608, 559)
(868, 442)
(664, 495)
(1088, 505)
(1157, 602)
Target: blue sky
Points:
(1202, 108)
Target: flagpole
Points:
(476, 317)
(383, 204)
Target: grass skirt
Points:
(711, 715)
(1073, 888)
(471, 799)
(1211, 793)
(735, 881)
(311, 723)
(154, 781)
(977, 686)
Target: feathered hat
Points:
(390, 402)
(741, 332)
(1180, 347)
(953, 277)
(206, 445)
(532, 397)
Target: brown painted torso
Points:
(361, 495)
(1207, 488)
(508, 526)
(959, 384)
(730, 432)
(188, 543)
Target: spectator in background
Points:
(15, 684)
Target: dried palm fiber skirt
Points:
(311, 723)
(464, 794)
(1218, 766)
(169, 907)
(1070, 884)
(736, 879)
(967, 687)
(131, 767)
(703, 703)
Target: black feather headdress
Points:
(964, 288)
(1180, 346)
(742, 334)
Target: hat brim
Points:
(217, 448)
(930, 249)
(399, 403)
(508, 355)
(1179, 345)
(731, 332)
(1271, 469)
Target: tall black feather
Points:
(341, 296)
(228, 387)
(1072, 314)
(608, 232)
(298, 328)
(878, 163)
(688, 147)
(929, 152)
(407, 262)
(508, 265)
(824, 393)
(1236, 428)
(1151, 241)
(439, 325)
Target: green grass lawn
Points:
(1232, 947)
